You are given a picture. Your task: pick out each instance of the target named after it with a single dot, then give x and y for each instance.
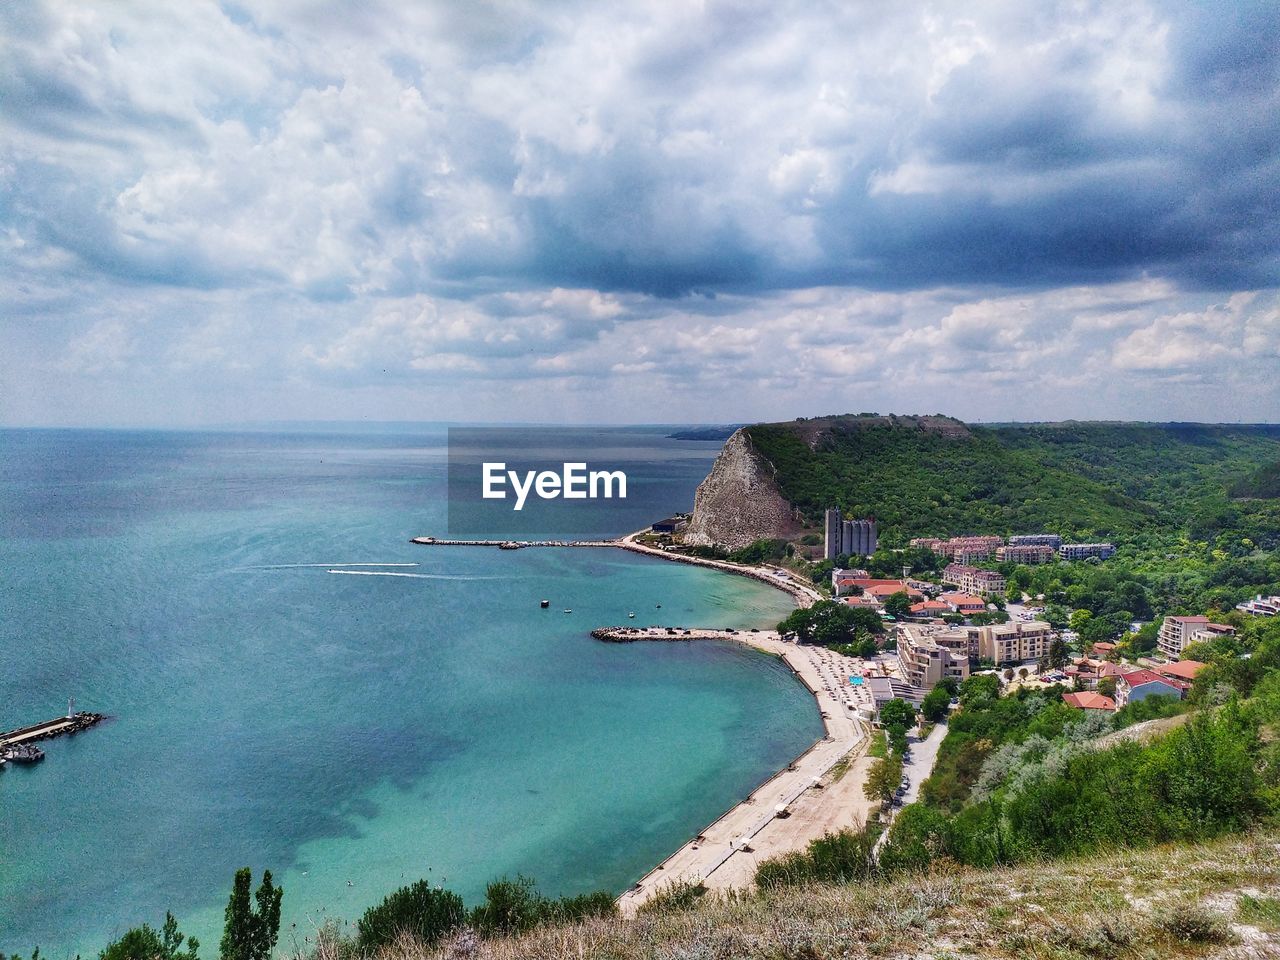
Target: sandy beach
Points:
(817, 798)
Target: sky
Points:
(638, 211)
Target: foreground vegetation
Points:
(1178, 901)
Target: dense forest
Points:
(1188, 505)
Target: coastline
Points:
(816, 800)
(798, 804)
(803, 801)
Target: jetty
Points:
(510, 544)
(803, 594)
(18, 746)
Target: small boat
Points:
(631, 615)
(544, 604)
(659, 606)
(567, 610)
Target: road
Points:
(924, 754)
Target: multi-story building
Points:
(972, 580)
(1014, 642)
(833, 534)
(931, 543)
(961, 549)
(927, 655)
(1176, 633)
(1030, 553)
(851, 537)
(1261, 606)
(1036, 540)
(1083, 551)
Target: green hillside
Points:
(924, 476)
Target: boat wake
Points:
(295, 566)
(415, 576)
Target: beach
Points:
(815, 795)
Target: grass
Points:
(1165, 902)
(879, 745)
(1260, 912)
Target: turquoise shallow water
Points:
(352, 733)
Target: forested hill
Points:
(934, 475)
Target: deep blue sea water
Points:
(351, 733)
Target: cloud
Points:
(406, 197)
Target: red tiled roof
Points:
(1088, 701)
(1137, 678)
(1183, 669)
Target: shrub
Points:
(425, 912)
(844, 857)
(675, 896)
(1191, 923)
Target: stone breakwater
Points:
(637, 634)
(18, 746)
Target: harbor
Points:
(19, 746)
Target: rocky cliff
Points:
(738, 502)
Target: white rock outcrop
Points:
(739, 502)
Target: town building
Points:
(1051, 540)
(962, 549)
(1083, 551)
(931, 543)
(1089, 701)
(973, 580)
(842, 580)
(674, 524)
(1261, 606)
(1140, 684)
(1184, 670)
(1030, 553)
(965, 603)
(884, 689)
(1176, 633)
(927, 655)
(1087, 672)
(848, 537)
(1014, 642)
(874, 588)
(929, 609)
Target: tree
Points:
(898, 605)
(1107, 687)
(144, 943)
(251, 929)
(935, 703)
(883, 778)
(1058, 653)
(1078, 619)
(898, 712)
(831, 623)
(425, 912)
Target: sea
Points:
(291, 685)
